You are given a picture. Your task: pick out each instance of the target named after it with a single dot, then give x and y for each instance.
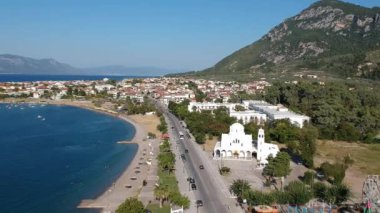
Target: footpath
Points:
(146, 194)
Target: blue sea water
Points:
(52, 157)
(23, 78)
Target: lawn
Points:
(366, 156)
(366, 161)
(155, 208)
(168, 179)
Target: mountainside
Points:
(132, 71)
(339, 38)
(13, 64)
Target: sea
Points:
(52, 157)
(27, 78)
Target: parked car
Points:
(186, 151)
(183, 157)
(193, 186)
(201, 166)
(199, 203)
(192, 180)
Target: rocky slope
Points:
(330, 35)
(13, 64)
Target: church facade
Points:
(236, 145)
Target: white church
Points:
(236, 145)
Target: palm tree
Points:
(162, 192)
(166, 161)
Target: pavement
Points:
(211, 188)
(146, 194)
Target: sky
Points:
(173, 34)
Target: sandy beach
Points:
(132, 177)
(130, 182)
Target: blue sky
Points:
(175, 34)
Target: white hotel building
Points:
(200, 106)
(245, 116)
(277, 112)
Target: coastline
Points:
(129, 183)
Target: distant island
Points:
(15, 64)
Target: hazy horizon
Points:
(167, 34)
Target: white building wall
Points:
(278, 112)
(200, 106)
(249, 116)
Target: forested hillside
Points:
(341, 111)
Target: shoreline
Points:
(114, 195)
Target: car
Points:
(183, 157)
(201, 166)
(199, 203)
(193, 186)
(186, 151)
(191, 180)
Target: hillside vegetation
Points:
(341, 111)
(338, 38)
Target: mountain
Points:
(330, 37)
(14, 64)
(131, 71)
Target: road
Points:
(210, 189)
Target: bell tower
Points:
(260, 142)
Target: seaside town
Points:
(198, 137)
(165, 89)
(190, 106)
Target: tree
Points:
(335, 194)
(335, 173)
(239, 108)
(307, 137)
(166, 161)
(298, 193)
(131, 205)
(179, 200)
(308, 178)
(162, 192)
(341, 193)
(151, 135)
(240, 187)
(283, 131)
(278, 166)
(320, 190)
(260, 198)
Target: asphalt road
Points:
(207, 189)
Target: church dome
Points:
(237, 128)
